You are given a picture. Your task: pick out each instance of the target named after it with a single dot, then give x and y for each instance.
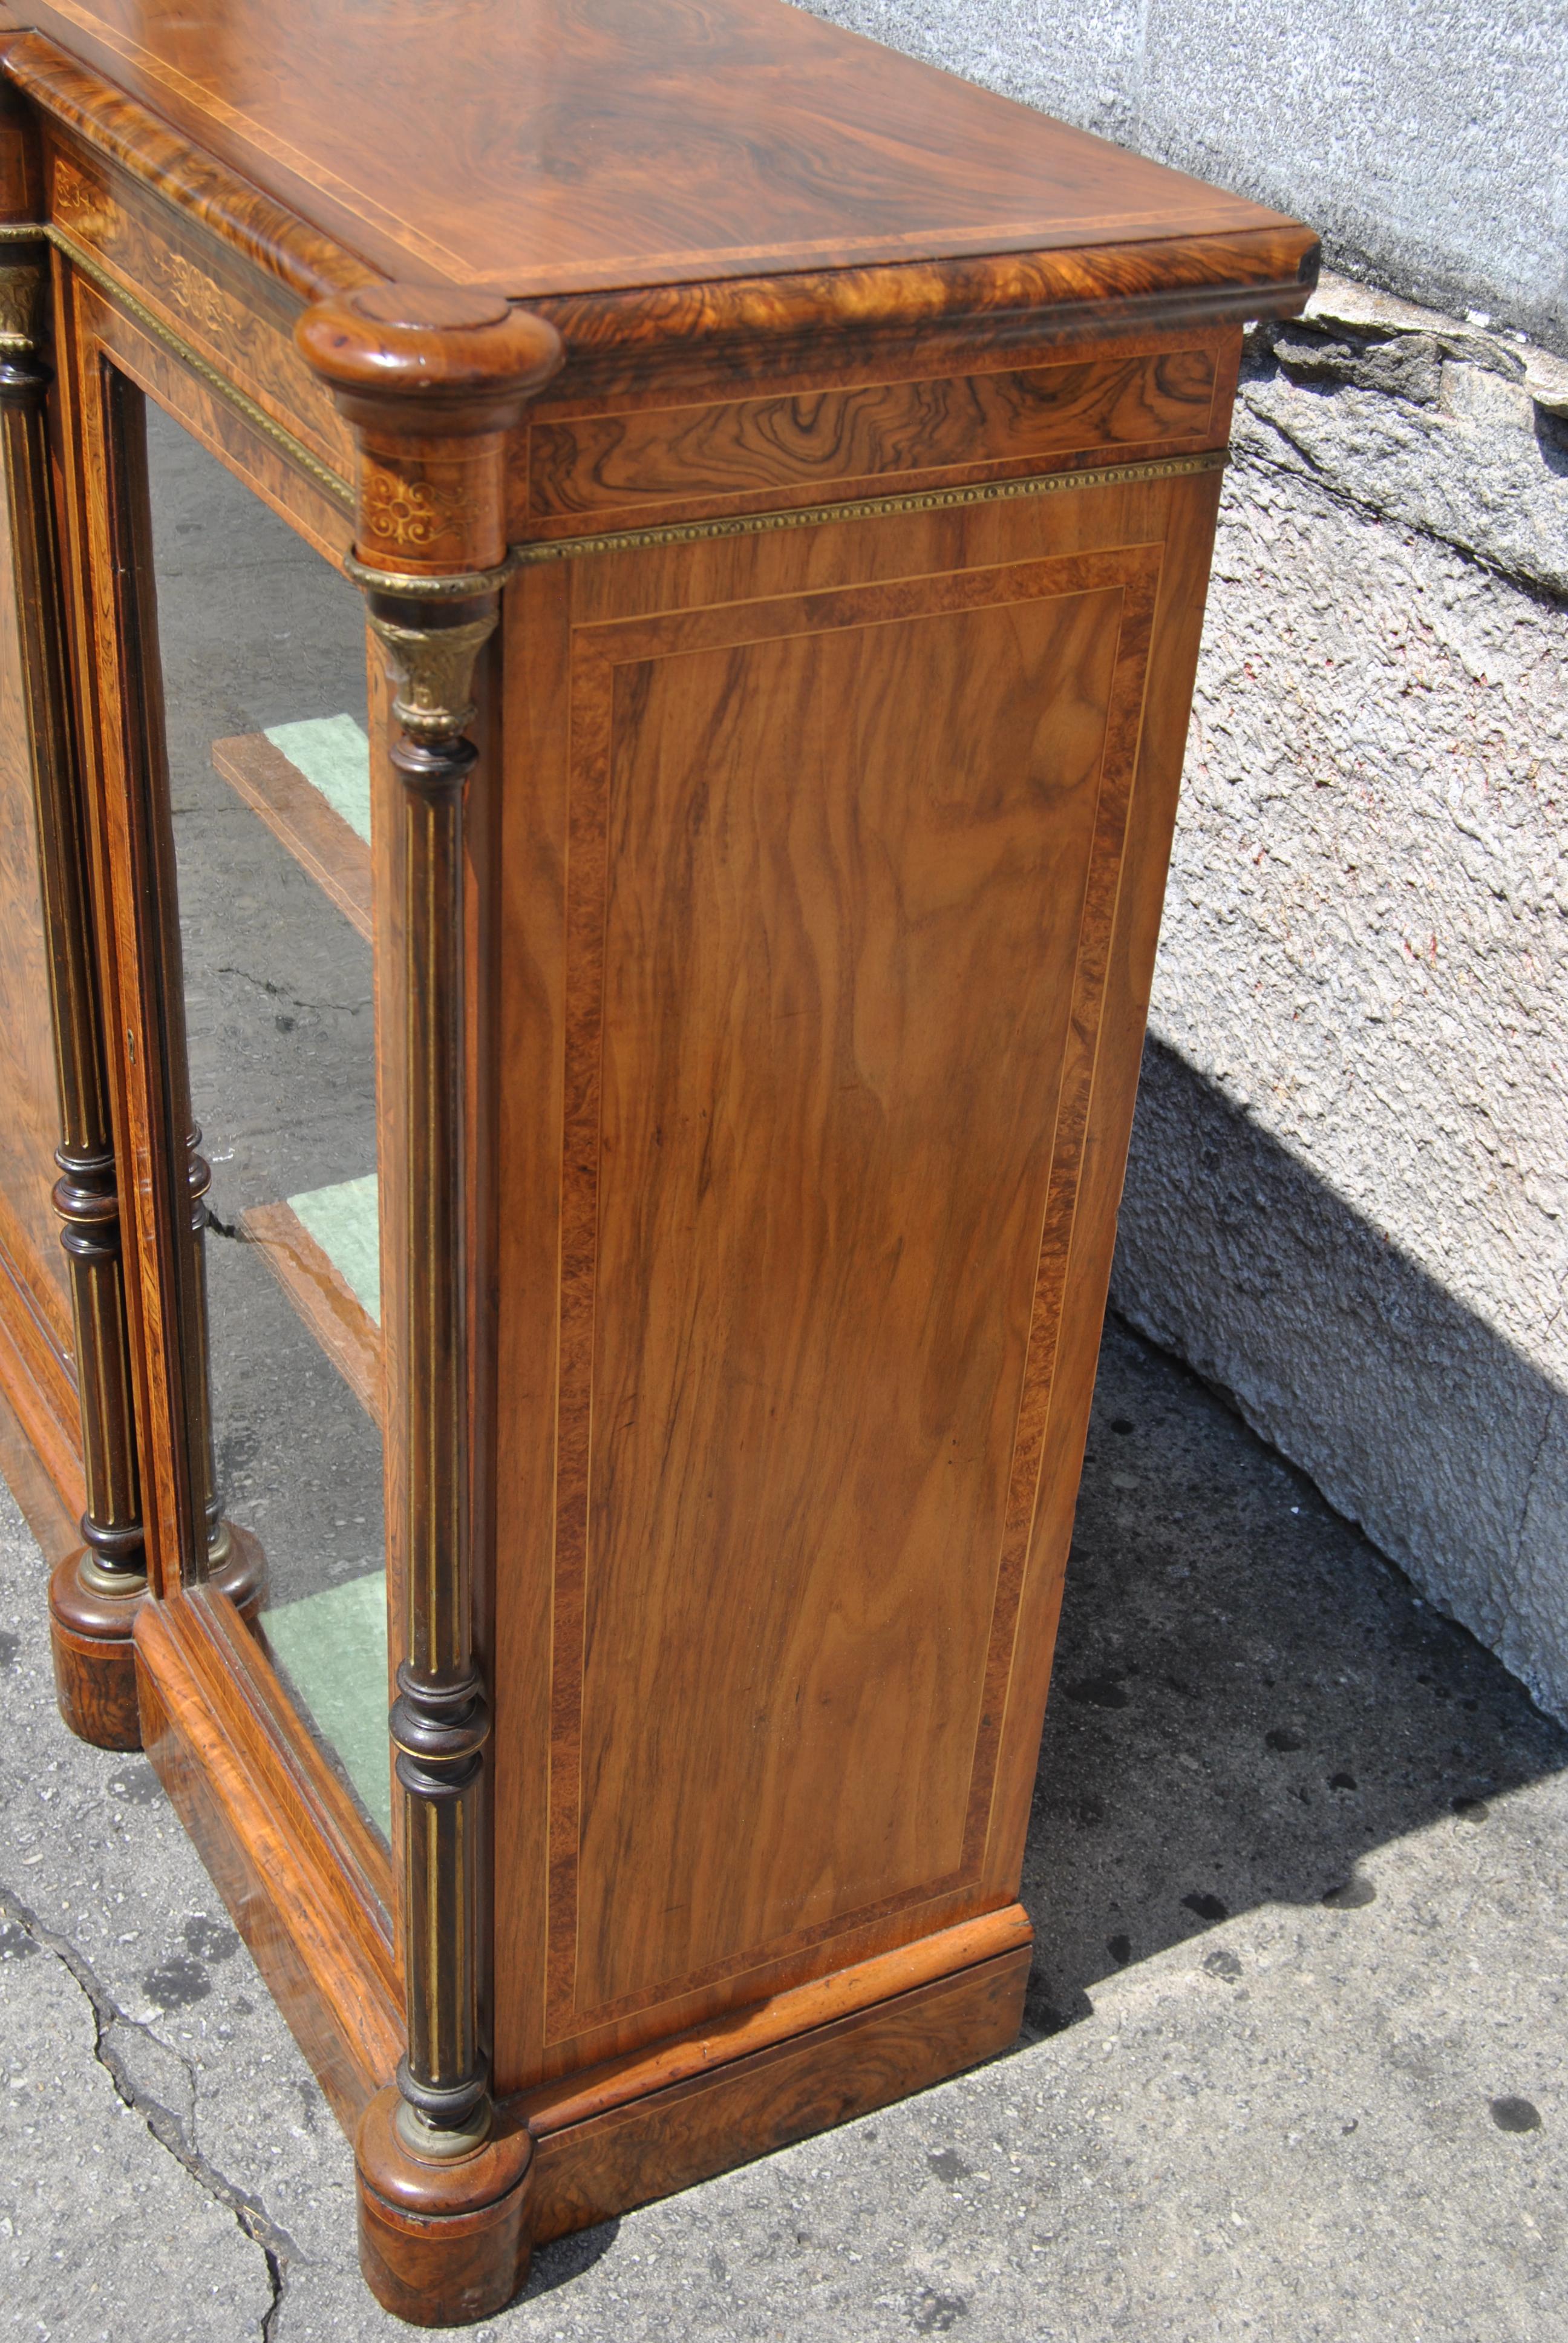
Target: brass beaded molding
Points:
(470, 584)
(984, 492)
(299, 454)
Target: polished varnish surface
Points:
(558, 145)
(762, 985)
(835, 889)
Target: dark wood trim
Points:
(430, 383)
(137, 930)
(94, 1592)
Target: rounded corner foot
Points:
(441, 2244)
(90, 1625)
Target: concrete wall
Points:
(1348, 1197)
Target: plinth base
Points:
(441, 2244)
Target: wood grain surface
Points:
(810, 920)
(229, 312)
(780, 2018)
(772, 990)
(306, 1883)
(620, 142)
(633, 2155)
(42, 1398)
(38, 1454)
(111, 134)
(439, 2245)
(633, 465)
(845, 841)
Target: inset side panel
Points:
(840, 832)
(844, 862)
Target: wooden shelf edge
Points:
(326, 849)
(303, 1879)
(323, 1298)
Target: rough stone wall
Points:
(1348, 1196)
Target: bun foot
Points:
(92, 1613)
(442, 2243)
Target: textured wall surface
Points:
(1428, 139)
(1348, 1199)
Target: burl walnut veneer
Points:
(782, 479)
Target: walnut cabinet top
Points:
(560, 148)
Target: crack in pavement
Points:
(166, 2126)
(278, 993)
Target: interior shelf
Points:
(310, 783)
(323, 1248)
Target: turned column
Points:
(92, 1592)
(431, 381)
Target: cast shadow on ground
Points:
(1247, 1697)
(566, 2258)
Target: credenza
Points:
(598, 611)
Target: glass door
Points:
(262, 654)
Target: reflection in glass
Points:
(264, 683)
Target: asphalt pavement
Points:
(1294, 2067)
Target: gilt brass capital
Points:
(433, 670)
(21, 284)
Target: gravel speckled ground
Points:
(1295, 2063)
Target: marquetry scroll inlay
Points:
(425, 510)
(80, 203)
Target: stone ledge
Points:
(1432, 421)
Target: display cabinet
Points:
(599, 606)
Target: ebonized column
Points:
(93, 1592)
(431, 380)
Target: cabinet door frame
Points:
(306, 1879)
